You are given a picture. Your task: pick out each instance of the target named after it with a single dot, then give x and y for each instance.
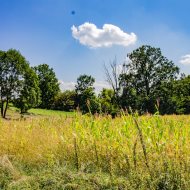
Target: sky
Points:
(78, 37)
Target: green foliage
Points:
(175, 96)
(65, 101)
(86, 99)
(13, 68)
(148, 83)
(84, 82)
(88, 102)
(29, 96)
(181, 95)
(145, 73)
(167, 104)
(93, 105)
(48, 85)
(107, 101)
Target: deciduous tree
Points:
(30, 92)
(12, 69)
(48, 83)
(145, 72)
(86, 98)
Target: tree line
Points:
(148, 82)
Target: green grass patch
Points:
(14, 113)
(45, 112)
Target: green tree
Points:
(48, 84)
(84, 82)
(65, 101)
(30, 93)
(107, 101)
(145, 72)
(166, 101)
(86, 98)
(181, 95)
(12, 69)
(175, 96)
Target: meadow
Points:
(50, 150)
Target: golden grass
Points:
(101, 142)
(151, 151)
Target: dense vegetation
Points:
(85, 150)
(147, 83)
(18, 82)
(95, 152)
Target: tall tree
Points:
(84, 82)
(48, 84)
(12, 68)
(85, 94)
(30, 92)
(145, 72)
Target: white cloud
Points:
(67, 85)
(89, 35)
(185, 60)
(99, 85)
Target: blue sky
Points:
(103, 29)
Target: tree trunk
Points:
(5, 111)
(2, 107)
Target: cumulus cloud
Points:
(99, 85)
(89, 35)
(185, 60)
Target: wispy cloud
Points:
(185, 60)
(89, 35)
(67, 85)
(99, 85)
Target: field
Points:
(56, 150)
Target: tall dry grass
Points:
(151, 149)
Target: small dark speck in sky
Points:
(73, 12)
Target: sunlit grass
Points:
(14, 113)
(45, 112)
(157, 155)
